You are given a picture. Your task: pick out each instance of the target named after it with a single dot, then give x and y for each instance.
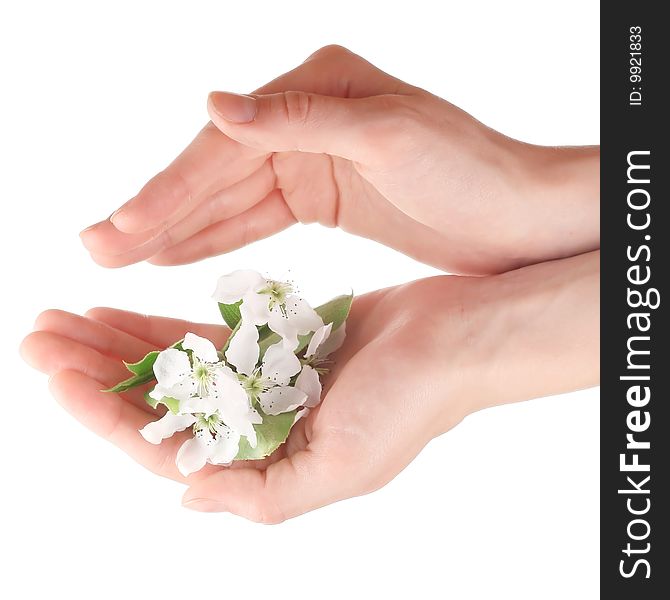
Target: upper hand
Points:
(339, 142)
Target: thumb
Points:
(301, 121)
(288, 488)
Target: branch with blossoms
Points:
(241, 401)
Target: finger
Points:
(51, 353)
(211, 162)
(306, 122)
(290, 487)
(119, 422)
(159, 332)
(225, 204)
(266, 218)
(95, 334)
(163, 331)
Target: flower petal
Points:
(171, 367)
(196, 404)
(308, 382)
(320, 335)
(231, 288)
(234, 407)
(301, 413)
(254, 418)
(280, 364)
(297, 318)
(302, 314)
(181, 391)
(254, 309)
(226, 446)
(243, 350)
(158, 393)
(332, 342)
(229, 390)
(279, 400)
(156, 431)
(193, 454)
(202, 348)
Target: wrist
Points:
(528, 333)
(544, 201)
(557, 204)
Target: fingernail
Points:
(203, 505)
(115, 215)
(235, 108)
(83, 234)
(83, 231)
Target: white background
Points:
(98, 97)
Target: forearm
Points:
(556, 205)
(535, 333)
(520, 203)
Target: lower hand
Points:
(418, 358)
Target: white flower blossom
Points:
(267, 384)
(221, 397)
(210, 398)
(266, 301)
(213, 441)
(188, 380)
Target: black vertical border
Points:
(626, 128)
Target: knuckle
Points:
(170, 184)
(403, 112)
(180, 188)
(163, 462)
(213, 207)
(395, 127)
(330, 51)
(264, 507)
(166, 238)
(408, 115)
(208, 248)
(93, 313)
(112, 428)
(266, 512)
(246, 232)
(297, 106)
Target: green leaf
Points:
(131, 382)
(273, 338)
(150, 401)
(334, 311)
(142, 370)
(171, 403)
(271, 433)
(144, 366)
(263, 332)
(231, 313)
